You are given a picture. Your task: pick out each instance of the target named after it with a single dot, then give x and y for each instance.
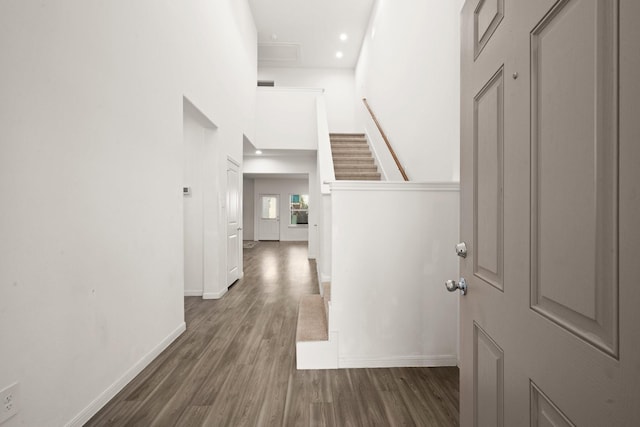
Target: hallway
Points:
(235, 365)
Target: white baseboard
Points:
(398, 362)
(192, 293)
(104, 397)
(214, 295)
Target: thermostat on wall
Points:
(186, 191)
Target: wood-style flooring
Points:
(235, 366)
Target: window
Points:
(299, 205)
(269, 207)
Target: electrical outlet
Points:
(9, 402)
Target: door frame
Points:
(231, 160)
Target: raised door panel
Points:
(544, 413)
(488, 380)
(487, 17)
(234, 201)
(488, 181)
(574, 164)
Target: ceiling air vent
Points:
(266, 83)
(285, 53)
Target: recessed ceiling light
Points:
(339, 54)
(344, 37)
(258, 152)
(274, 37)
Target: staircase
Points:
(316, 348)
(352, 159)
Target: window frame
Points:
(292, 210)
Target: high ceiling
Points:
(302, 33)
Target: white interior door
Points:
(233, 222)
(550, 199)
(269, 222)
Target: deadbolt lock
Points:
(461, 249)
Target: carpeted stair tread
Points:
(348, 141)
(312, 319)
(346, 167)
(352, 158)
(340, 150)
(338, 161)
(349, 145)
(358, 177)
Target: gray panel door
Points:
(550, 160)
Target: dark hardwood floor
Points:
(235, 366)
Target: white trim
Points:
(194, 293)
(394, 186)
(214, 295)
(398, 361)
(104, 397)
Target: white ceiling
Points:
(308, 33)
(249, 150)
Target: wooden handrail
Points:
(386, 140)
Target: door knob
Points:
(239, 228)
(461, 249)
(453, 286)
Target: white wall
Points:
(409, 72)
(286, 119)
(283, 188)
(248, 207)
(339, 91)
(91, 169)
(218, 54)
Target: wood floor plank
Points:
(322, 415)
(192, 416)
(235, 365)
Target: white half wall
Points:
(409, 71)
(339, 91)
(389, 302)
